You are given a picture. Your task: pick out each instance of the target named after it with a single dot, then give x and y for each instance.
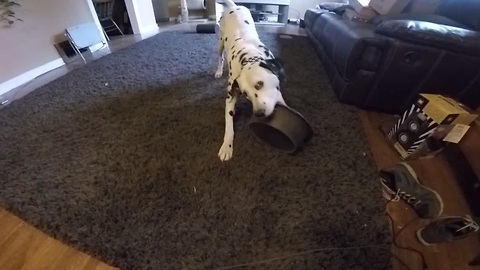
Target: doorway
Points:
(113, 17)
(160, 8)
(125, 16)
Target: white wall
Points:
(298, 7)
(30, 44)
(142, 16)
(173, 10)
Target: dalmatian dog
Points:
(253, 71)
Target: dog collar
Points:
(253, 59)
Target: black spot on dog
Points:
(229, 83)
(230, 73)
(256, 95)
(242, 56)
(226, 39)
(250, 68)
(278, 88)
(230, 145)
(231, 12)
(264, 103)
(261, 46)
(232, 47)
(230, 65)
(237, 39)
(247, 22)
(259, 85)
(238, 8)
(233, 55)
(231, 113)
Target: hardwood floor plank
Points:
(45, 256)
(93, 264)
(14, 248)
(23, 247)
(8, 225)
(70, 259)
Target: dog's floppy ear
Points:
(238, 84)
(275, 65)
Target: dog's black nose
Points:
(260, 113)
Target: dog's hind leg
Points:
(221, 58)
(226, 150)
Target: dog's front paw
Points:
(226, 151)
(218, 74)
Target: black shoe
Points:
(400, 182)
(447, 229)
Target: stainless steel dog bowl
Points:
(286, 129)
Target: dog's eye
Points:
(259, 85)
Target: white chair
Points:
(83, 36)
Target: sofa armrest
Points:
(350, 45)
(311, 16)
(432, 34)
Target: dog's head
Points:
(261, 84)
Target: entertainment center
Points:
(263, 11)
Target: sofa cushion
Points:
(434, 35)
(433, 18)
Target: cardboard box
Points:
(429, 125)
(388, 6)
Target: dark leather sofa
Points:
(383, 64)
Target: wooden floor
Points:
(433, 173)
(24, 247)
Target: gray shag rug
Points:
(119, 159)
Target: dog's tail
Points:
(230, 3)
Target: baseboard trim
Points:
(194, 18)
(151, 28)
(30, 75)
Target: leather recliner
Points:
(383, 64)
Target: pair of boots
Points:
(400, 182)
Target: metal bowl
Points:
(286, 129)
